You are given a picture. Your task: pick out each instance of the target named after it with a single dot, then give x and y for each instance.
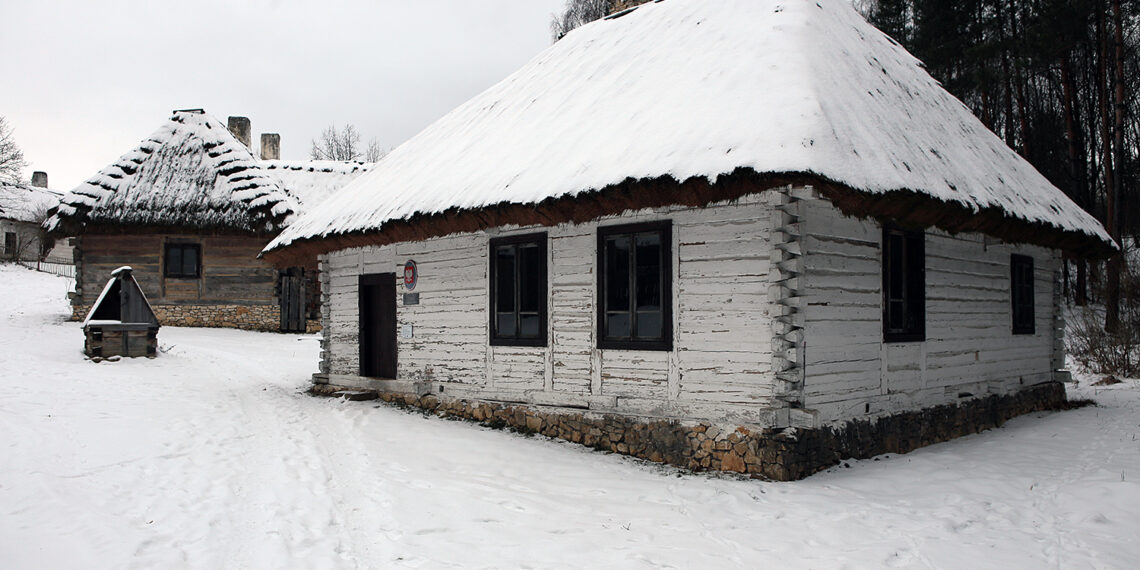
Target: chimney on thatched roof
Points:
(270, 146)
(39, 179)
(241, 129)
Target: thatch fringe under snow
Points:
(190, 173)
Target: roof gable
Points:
(688, 89)
(190, 173)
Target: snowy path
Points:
(210, 457)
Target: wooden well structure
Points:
(121, 323)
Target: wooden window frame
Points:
(166, 267)
(540, 240)
(911, 298)
(1021, 294)
(664, 229)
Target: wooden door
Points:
(378, 325)
(291, 296)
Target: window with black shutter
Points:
(1021, 293)
(904, 286)
(635, 280)
(518, 290)
(182, 260)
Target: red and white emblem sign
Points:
(410, 275)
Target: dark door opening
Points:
(291, 295)
(378, 325)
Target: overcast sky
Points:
(83, 82)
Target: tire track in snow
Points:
(267, 444)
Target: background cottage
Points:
(189, 209)
(23, 208)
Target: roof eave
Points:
(902, 206)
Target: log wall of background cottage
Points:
(235, 288)
(20, 240)
(777, 321)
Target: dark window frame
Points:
(904, 285)
(664, 229)
(539, 239)
(1021, 294)
(11, 244)
(167, 267)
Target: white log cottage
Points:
(22, 210)
(750, 235)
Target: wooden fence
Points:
(64, 269)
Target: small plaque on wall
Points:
(411, 298)
(406, 331)
(411, 275)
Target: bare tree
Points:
(1113, 199)
(375, 152)
(579, 12)
(11, 157)
(345, 145)
(32, 242)
(337, 145)
(576, 13)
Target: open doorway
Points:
(378, 325)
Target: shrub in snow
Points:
(1110, 353)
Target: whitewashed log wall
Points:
(777, 320)
(720, 367)
(29, 237)
(969, 351)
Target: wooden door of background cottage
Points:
(291, 296)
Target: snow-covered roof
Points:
(24, 203)
(313, 181)
(698, 89)
(190, 173)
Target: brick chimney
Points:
(241, 130)
(270, 146)
(39, 179)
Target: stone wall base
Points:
(782, 455)
(246, 317)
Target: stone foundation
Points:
(246, 317)
(782, 455)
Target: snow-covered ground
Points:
(210, 456)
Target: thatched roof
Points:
(24, 203)
(313, 181)
(695, 92)
(191, 173)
